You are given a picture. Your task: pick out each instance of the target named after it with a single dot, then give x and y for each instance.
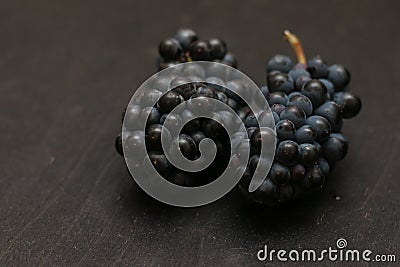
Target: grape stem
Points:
(296, 45)
(188, 58)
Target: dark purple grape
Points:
(316, 91)
(285, 130)
(279, 62)
(305, 134)
(339, 76)
(218, 48)
(294, 114)
(170, 49)
(335, 148)
(317, 67)
(186, 37)
(287, 153)
(349, 103)
(330, 111)
(280, 82)
(200, 51)
(169, 101)
(321, 126)
(187, 146)
(302, 102)
(308, 154)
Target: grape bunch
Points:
(309, 101)
(185, 46)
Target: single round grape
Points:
(277, 98)
(331, 111)
(256, 138)
(305, 134)
(187, 146)
(321, 127)
(288, 153)
(317, 67)
(279, 62)
(302, 102)
(339, 76)
(335, 148)
(296, 73)
(218, 48)
(349, 103)
(170, 49)
(169, 101)
(285, 130)
(186, 37)
(294, 114)
(279, 173)
(316, 91)
(280, 82)
(200, 50)
(308, 154)
(251, 121)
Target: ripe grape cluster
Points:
(309, 102)
(185, 46)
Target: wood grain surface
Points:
(68, 69)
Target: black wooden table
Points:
(67, 70)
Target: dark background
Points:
(68, 69)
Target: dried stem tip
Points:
(296, 45)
